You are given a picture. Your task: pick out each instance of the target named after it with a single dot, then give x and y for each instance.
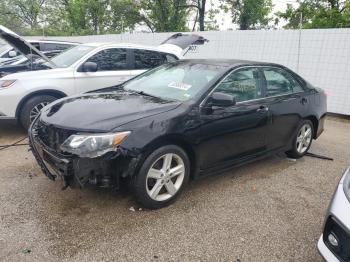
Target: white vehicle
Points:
(8, 52)
(80, 69)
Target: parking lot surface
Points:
(271, 210)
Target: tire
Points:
(169, 186)
(302, 143)
(26, 114)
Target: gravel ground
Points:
(271, 210)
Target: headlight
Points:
(346, 184)
(6, 83)
(93, 145)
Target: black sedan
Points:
(180, 121)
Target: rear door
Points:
(113, 68)
(143, 60)
(287, 104)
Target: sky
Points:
(224, 20)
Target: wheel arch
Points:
(314, 121)
(52, 92)
(179, 141)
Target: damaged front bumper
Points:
(76, 172)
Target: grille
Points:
(52, 136)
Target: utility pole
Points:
(299, 41)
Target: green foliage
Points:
(164, 15)
(124, 16)
(318, 14)
(248, 14)
(211, 24)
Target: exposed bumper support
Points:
(104, 171)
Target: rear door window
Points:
(110, 59)
(280, 82)
(147, 59)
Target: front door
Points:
(112, 69)
(238, 131)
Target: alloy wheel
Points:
(36, 110)
(304, 138)
(165, 177)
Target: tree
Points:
(28, 11)
(86, 16)
(199, 6)
(8, 19)
(124, 16)
(318, 14)
(248, 14)
(164, 15)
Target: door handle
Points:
(262, 109)
(303, 101)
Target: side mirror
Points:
(89, 67)
(12, 53)
(222, 100)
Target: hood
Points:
(21, 44)
(182, 43)
(103, 112)
(40, 75)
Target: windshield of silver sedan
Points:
(70, 56)
(179, 81)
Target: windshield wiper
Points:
(145, 94)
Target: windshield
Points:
(179, 81)
(70, 56)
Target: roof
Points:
(53, 41)
(111, 44)
(230, 62)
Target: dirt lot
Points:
(271, 210)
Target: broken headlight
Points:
(93, 145)
(346, 183)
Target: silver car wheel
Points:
(36, 110)
(304, 138)
(165, 177)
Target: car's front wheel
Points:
(162, 177)
(303, 139)
(32, 108)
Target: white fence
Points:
(321, 56)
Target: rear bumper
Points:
(320, 128)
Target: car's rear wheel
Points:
(303, 139)
(32, 108)
(162, 177)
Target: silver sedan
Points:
(334, 243)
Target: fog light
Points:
(333, 240)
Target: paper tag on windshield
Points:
(181, 86)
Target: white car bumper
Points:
(337, 223)
(325, 252)
(9, 100)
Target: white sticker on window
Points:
(181, 86)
